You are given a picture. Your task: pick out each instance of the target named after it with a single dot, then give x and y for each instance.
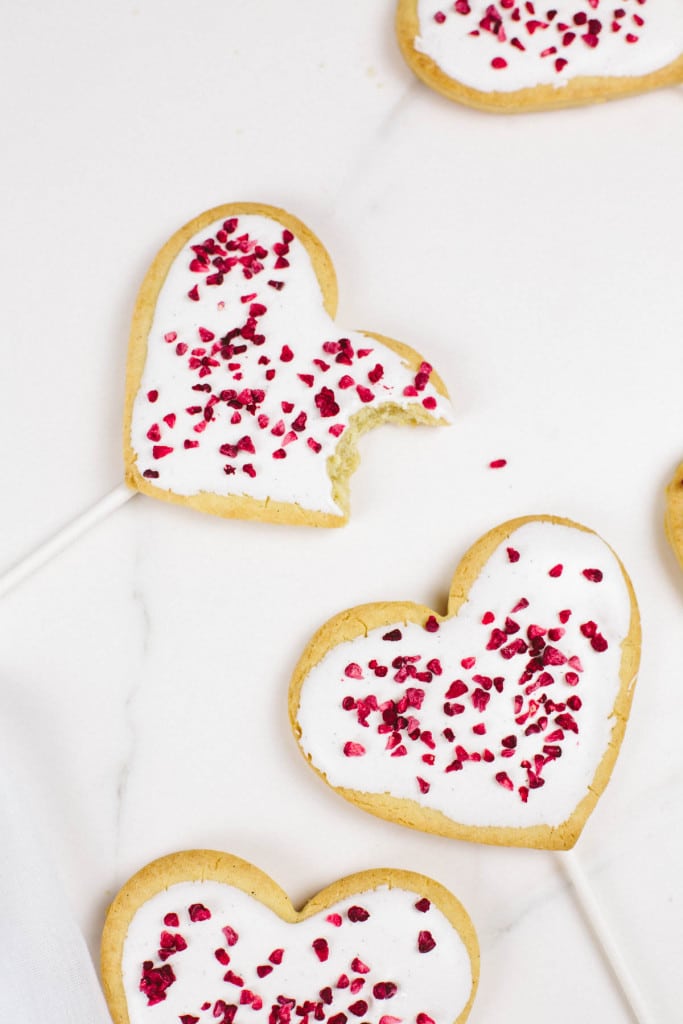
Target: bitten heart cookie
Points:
(499, 722)
(674, 513)
(244, 398)
(203, 937)
(513, 55)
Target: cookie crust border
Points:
(579, 91)
(358, 621)
(203, 865)
(673, 518)
(342, 464)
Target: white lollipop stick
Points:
(64, 537)
(604, 936)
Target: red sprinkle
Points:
(498, 463)
(426, 942)
(321, 949)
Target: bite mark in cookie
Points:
(244, 398)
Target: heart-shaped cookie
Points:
(674, 513)
(243, 397)
(499, 722)
(203, 937)
(513, 55)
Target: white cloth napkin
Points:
(46, 973)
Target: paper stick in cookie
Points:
(498, 722)
(513, 56)
(203, 936)
(244, 397)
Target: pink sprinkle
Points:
(171, 336)
(152, 396)
(159, 451)
(431, 625)
(424, 786)
(335, 920)
(439, 17)
(198, 912)
(556, 570)
(498, 463)
(487, 618)
(193, 294)
(353, 671)
(231, 936)
(498, 63)
(171, 920)
(594, 575)
(513, 555)
(354, 749)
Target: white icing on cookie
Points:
(501, 715)
(207, 952)
(248, 384)
(513, 44)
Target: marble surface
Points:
(536, 260)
